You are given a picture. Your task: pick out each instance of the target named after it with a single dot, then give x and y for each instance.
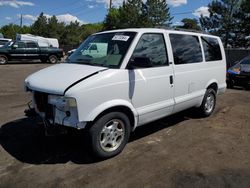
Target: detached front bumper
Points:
(57, 110)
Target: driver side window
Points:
(152, 47)
(20, 44)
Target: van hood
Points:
(59, 78)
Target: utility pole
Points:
(21, 21)
(110, 4)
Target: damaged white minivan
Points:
(121, 79)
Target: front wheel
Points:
(53, 59)
(208, 103)
(3, 59)
(109, 134)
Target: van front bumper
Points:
(57, 110)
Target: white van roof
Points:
(158, 30)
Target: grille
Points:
(245, 73)
(41, 100)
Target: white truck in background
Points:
(42, 41)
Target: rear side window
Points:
(211, 49)
(31, 45)
(186, 49)
(152, 46)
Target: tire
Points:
(109, 134)
(3, 59)
(208, 103)
(53, 59)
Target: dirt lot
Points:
(178, 151)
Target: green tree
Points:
(131, 14)
(71, 34)
(156, 13)
(25, 29)
(40, 27)
(55, 28)
(243, 29)
(89, 29)
(10, 31)
(222, 20)
(136, 13)
(112, 19)
(189, 23)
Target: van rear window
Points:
(211, 49)
(186, 49)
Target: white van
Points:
(144, 75)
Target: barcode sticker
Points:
(120, 37)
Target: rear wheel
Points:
(53, 59)
(3, 59)
(109, 134)
(208, 103)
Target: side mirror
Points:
(139, 62)
(15, 46)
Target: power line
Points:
(180, 13)
(189, 12)
(110, 4)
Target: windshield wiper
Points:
(82, 61)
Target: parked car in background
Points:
(29, 50)
(3, 41)
(239, 74)
(128, 78)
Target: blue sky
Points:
(85, 11)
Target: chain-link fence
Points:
(234, 55)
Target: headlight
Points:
(61, 102)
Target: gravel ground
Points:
(178, 151)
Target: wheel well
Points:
(122, 109)
(52, 54)
(213, 86)
(6, 55)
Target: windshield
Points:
(106, 50)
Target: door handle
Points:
(171, 79)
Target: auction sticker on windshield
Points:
(120, 37)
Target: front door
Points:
(31, 50)
(151, 88)
(18, 50)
